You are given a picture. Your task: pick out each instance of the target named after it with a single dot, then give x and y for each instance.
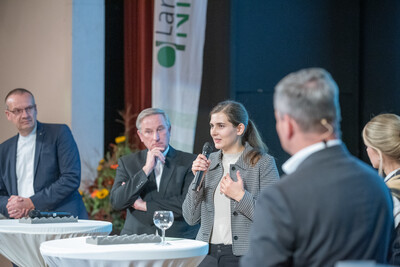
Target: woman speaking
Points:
(234, 176)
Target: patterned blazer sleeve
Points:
(267, 175)
(191, 207)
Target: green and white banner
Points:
(179, 32)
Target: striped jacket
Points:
(199, 206)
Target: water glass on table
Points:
(163, 219)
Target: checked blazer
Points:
(198, 207)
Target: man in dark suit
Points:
(40, 166)
(330, 206)
(157, 178)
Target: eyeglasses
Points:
(19, 111)
(150, 132)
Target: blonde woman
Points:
(382, 137)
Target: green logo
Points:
(166, 56)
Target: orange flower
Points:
(99, 168)
(114, 166)
(120, 139)
(102, 193)
(94, 193)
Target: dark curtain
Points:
(138, 39)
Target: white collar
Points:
(291, 164)
(390, 175)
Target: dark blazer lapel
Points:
(13, 166)
(151, 184)
(169, 167)
(39, 142)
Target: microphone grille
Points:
(207, 148)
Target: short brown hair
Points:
(18, 91)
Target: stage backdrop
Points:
(55, 49)
(178, 41)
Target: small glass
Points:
(163, 219)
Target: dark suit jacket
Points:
(175, 180)
(57, 171)
(333, 207)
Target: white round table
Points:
(76, 252)
(20, 242)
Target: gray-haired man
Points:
(330, 206)
(156, 178)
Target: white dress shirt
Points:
(24, 167)
(222, 229)
(158, 169)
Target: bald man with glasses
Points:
(40, 166)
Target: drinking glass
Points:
(163, 219)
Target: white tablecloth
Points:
(20, 242)
(76, 252)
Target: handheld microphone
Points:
(50, 214)
(207, 149)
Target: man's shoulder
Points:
(134, 155)
(335, 167)
(53, 131)
(185, 155)
(52, 126)
(9, 142)
(314, 181)
(339, 159)
(180, 157)
(330, 157)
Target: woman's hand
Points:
(232, 189)
(201, 163)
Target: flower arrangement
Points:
(97, 196)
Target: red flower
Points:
(94, 193)
(114, 166)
